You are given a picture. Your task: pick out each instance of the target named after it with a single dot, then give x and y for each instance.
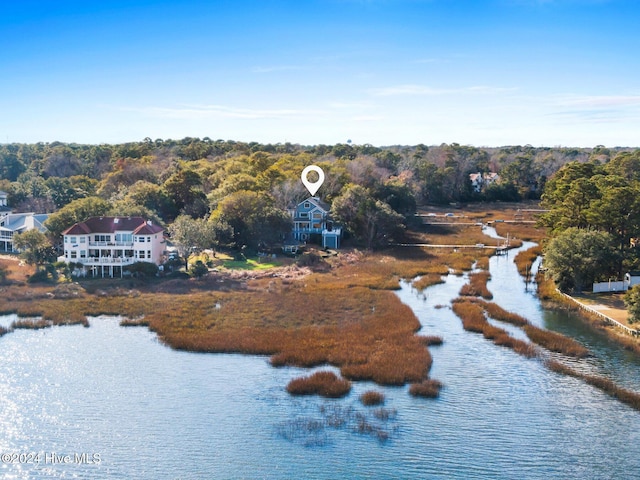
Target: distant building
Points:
(479, 181)
(13, 223)
(105, 245)
(311, 218)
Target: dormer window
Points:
(307, 205)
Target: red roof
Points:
(136, 225)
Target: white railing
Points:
(103, 260)
(111, 244)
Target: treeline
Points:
(241, 190)
(594, 221)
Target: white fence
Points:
(618, 286)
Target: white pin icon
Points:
(312, 186)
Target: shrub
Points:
(632, 301)
(198, 269)
(143, 269)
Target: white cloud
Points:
(600, 101)
(424, 90)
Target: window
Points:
(149, 239)
(304, 215)
(141, 254)
(317, 225)
(141, 239)
(74, 254)
(102, 238)
(83, 254)
(317, 215)
(83, 239)
(66, 239)
(124, 237)
(307, 205)
(74, 239)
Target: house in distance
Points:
(14, 223)
(105, 245)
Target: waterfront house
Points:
(312, 222)
(105, 245)
(13, 223)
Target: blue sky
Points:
(484, 73)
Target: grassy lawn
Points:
(250, 264)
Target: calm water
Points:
(153, 413)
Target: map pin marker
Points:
(312, 186)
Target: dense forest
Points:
(593, 220)
(236, 194)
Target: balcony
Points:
(111, 244)
(103, 260)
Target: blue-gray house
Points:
(311, 217)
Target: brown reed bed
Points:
(606, 385)
(427, 388)
(134, 322)
(473, 319)
(431, 340)
(525, 259)
(496, 312)
(326, 384)
(372, 398)
(30, 324)
(477, 286)
(4, 331)
(427, 280)
(552, 341)
(555, 342)
(522, 231)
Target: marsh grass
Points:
(552, 341)
(30, 324)
(4, 331)
(477, 286)
(431, 340)
(326, 384)
(606, 385)
(523, 231)
(525, 259)
(372, 398)
(555, 342)
(473, 319)
(134, 322)
(427, 388)
(427, 280)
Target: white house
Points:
(479, 181)
(12, 223)
(311, 217)
(112, 243)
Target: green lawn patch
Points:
(250, 264)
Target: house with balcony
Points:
(105, 245)
(312, 221)
(13, 223)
